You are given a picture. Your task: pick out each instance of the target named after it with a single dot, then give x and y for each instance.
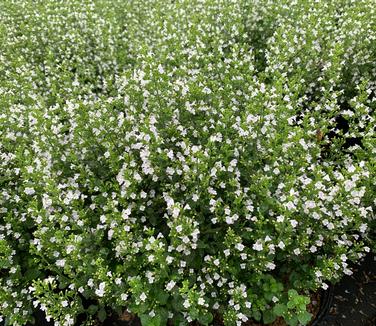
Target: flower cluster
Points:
(183, 159)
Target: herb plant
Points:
(183, 159)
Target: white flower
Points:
(239, 246)
(100, 291)
(281, 245)
(257, 246)
(201, 301)
(170, 285)
(160, 69)
(229, 220)
(46, 201)
(69, 321)
(70, 248)
(124, 296)
(176, 212)
(206, 90)
(60, 262)
(324, 286)
(280, 218)
(270, 266)
(294, 223)
(347, 271)
(349, 184)
(143, 296)
(29, 191)
(363, 228)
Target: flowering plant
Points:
(181, 159)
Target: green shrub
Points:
(182, 159)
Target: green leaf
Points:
(292, 293)
(63, 282)
(92, 309)
(179, 320)
(147, 320)
(291, 304)
(280, 309)
(162, 297)
(306, 300)
(304, 317)
(205, 318)
(177, 303)
(102, 314)
(293, 321)
(32, 274)
(256, 314)
(268, 317)
(268, 296)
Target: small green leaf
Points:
(102, 314)
(280, 309)
(162, 297)
(92, 309)
(292, 293)
(205, 318)
(291, 304)
(268, 317)
(147, 320)
(293, 321)
(32, 274)
(304, 317)
(256, 314)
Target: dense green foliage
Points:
(182, 159)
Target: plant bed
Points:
(184, 159)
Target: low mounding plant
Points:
(183, 159)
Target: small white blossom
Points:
(170, 285)
(29, 191)
(143, 296)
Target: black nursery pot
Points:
(325, 304)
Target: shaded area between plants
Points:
(354, 301)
